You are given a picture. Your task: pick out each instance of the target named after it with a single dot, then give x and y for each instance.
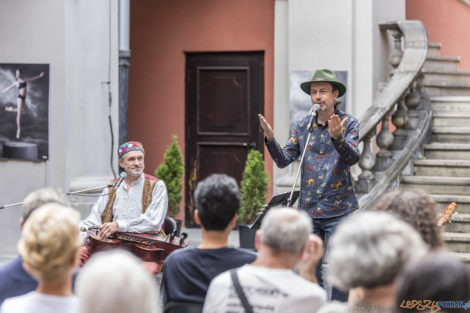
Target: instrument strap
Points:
(240, 293)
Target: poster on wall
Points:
(300, 103)
(24, 111)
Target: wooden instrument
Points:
(150, 248)
(447, 214)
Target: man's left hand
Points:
(335, 127)
(107, 229)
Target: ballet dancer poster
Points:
(24, 111)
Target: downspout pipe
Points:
(124, 57)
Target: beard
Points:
(134, 171)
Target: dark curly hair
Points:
(417, 208)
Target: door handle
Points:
(250, 145)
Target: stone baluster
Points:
(413, 100)
(400, 119)
(384, 141)
(366, 179)
(396, 54)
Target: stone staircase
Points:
(444, 171)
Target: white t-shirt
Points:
(34, 302)
(267, 290)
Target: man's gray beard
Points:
(134, 174)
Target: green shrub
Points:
(254, 186)
(171, 172)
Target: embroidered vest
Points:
(149, 185)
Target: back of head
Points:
(217, 200)
(369, 249)
(285, 230)
(436, 277)
(40, 197)
(50, 241)
(418, 209)
(115, 281)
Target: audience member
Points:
(367, 252)
(418, 209)
(187, 273)
(49, 246)
(437, 280)
(14, 280)
(115, 281)
(270, 283)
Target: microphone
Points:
(313, 113)
(121, 178)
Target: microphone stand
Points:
(66, 194)
(71, 193)
(313, 113)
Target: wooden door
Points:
(224, 94)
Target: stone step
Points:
(436, 167)
(448, 89)
(450, 104)
(436, 77)
(434, 49)
(447, 151)
(450, 134)
(437, 184)
(457, 242)
(463, 202)
(456, 119)
(441, 63)
(459, 223)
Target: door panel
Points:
(224, 94)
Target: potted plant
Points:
(253, 189)
(171, 172)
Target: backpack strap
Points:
(239, 290)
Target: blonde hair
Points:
(50, 241)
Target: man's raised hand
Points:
(268, 130)
(335, 127)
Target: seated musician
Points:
(138, 205)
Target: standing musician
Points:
(138, 205)
(326, 186)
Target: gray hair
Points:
(369, 249)
(115, 281)
(40, 197)
(286, 229)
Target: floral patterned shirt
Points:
(326, 183)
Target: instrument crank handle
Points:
(87, 228)
(183, 237)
